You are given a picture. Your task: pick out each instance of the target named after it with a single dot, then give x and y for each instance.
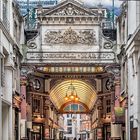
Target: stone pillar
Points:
(23, 107)
(7, 108)
(116, 128)
(29, 115)
(47, 115)
(126, 121)
(117, 90)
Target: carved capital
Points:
(23, 81)
(114, 70)
(25, 70)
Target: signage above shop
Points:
(70, 57)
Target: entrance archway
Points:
(86, 93)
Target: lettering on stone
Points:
(71, 57)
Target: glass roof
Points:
(85, 92)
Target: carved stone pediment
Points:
(69, 8)
(71, 36)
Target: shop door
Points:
(37, 133)
(36, 136)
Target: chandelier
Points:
(71, 94)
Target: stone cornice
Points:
(7, 34)
(9, 66)
(74, 20)
(134, 41)
(64, 3)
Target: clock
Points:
(36, 84)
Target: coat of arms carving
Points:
(70, 36)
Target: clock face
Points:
(36, 84)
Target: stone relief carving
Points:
(53, 37)
(69, 10)
(32, 45)
(108, 45)
(70, 36)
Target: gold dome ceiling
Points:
(85, 92)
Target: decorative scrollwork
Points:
(70, 36)
(32, 45)
(108, 45)
(53, 37)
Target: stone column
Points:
(7, 96)
(29, 114)
(47, 115)
(116, 128)
(25, 70)
(23, 107)
(47, 109)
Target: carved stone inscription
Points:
(87, 57)
(71, 37)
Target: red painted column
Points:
(116, 126)
(23, 83)
(117, 91)
(23, 97)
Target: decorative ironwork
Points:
(71, 93)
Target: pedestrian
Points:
(74, 139)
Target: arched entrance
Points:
(46, 102)
(69, 49)
(83, 90)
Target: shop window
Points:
(108, 106)
(108, 110)
(36, 105)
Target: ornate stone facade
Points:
(71, 37)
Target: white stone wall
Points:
(133, 16)
(129, 60)
(6, 88)
(7, 76)
(68, 47)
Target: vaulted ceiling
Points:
(84, 90)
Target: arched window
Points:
(74, 107)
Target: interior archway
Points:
(86, 93)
